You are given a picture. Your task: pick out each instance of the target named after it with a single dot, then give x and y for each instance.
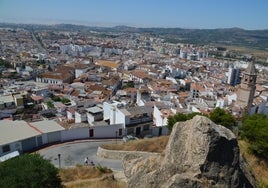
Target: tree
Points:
(129, 85)
(255, 131)
(221, 117)
(29, 170)
(65, 100)
(56, 98)
(50, 105)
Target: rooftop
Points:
(94, 110)
(107, 63)
(47, 126)
(12, 131)
(137, 110)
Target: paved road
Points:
(75, 152)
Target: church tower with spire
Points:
(246, 90)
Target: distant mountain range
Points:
(257, 39)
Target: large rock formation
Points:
(199, 154)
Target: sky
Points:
(201, 14)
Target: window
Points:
(130, 131)
(6, 148)
(146, 127)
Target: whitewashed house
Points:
(80, 115)
(94, 114)
(136, 120)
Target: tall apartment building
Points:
(234, 76)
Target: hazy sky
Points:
(247, 14)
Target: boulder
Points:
(199, 154)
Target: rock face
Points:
(199, 154)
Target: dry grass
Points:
(150, 145)
(87, 176)
(246, 50)
(79, 173)
(257, 166)
(107, 183)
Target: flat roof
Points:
(94, 110)
(47, 126)
(12, 131)
(139, 110)
(6, 98)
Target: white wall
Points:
(106, 110)
(15, 146)
(231, 98)
(44, 138)
(90, 118)
(79, 72)
(105, 131)
(157, 117)
(120, 117)
(220, 103)
(108, 131)
(80, 117)
(69, 115)
(73, 134)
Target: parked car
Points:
(148, 136)
(129, 137)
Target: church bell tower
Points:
(246, 90)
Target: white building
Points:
(161, 116)
(94, 114)
(80, 115)
(136, 120)
(17, 136)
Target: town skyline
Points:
(170, 14)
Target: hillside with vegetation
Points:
(257, 39)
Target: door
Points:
(91, 133)
(138, 131)
(120, 132)
(160, 131)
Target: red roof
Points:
(37, 98)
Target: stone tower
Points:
(246, 90)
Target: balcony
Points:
(135, 121)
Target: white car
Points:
(129, 137)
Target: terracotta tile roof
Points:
(75, 93)
(198, 87)
(130, 90)
(184, 94)
(37, 98)
(140, 74)
(107, 63)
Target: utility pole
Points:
(59, 160)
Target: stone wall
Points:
(116, 154)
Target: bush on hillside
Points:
(29, 170)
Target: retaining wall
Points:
(116, 154)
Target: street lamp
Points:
(59, 160)
(116, 137)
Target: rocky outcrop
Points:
(199, 154)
